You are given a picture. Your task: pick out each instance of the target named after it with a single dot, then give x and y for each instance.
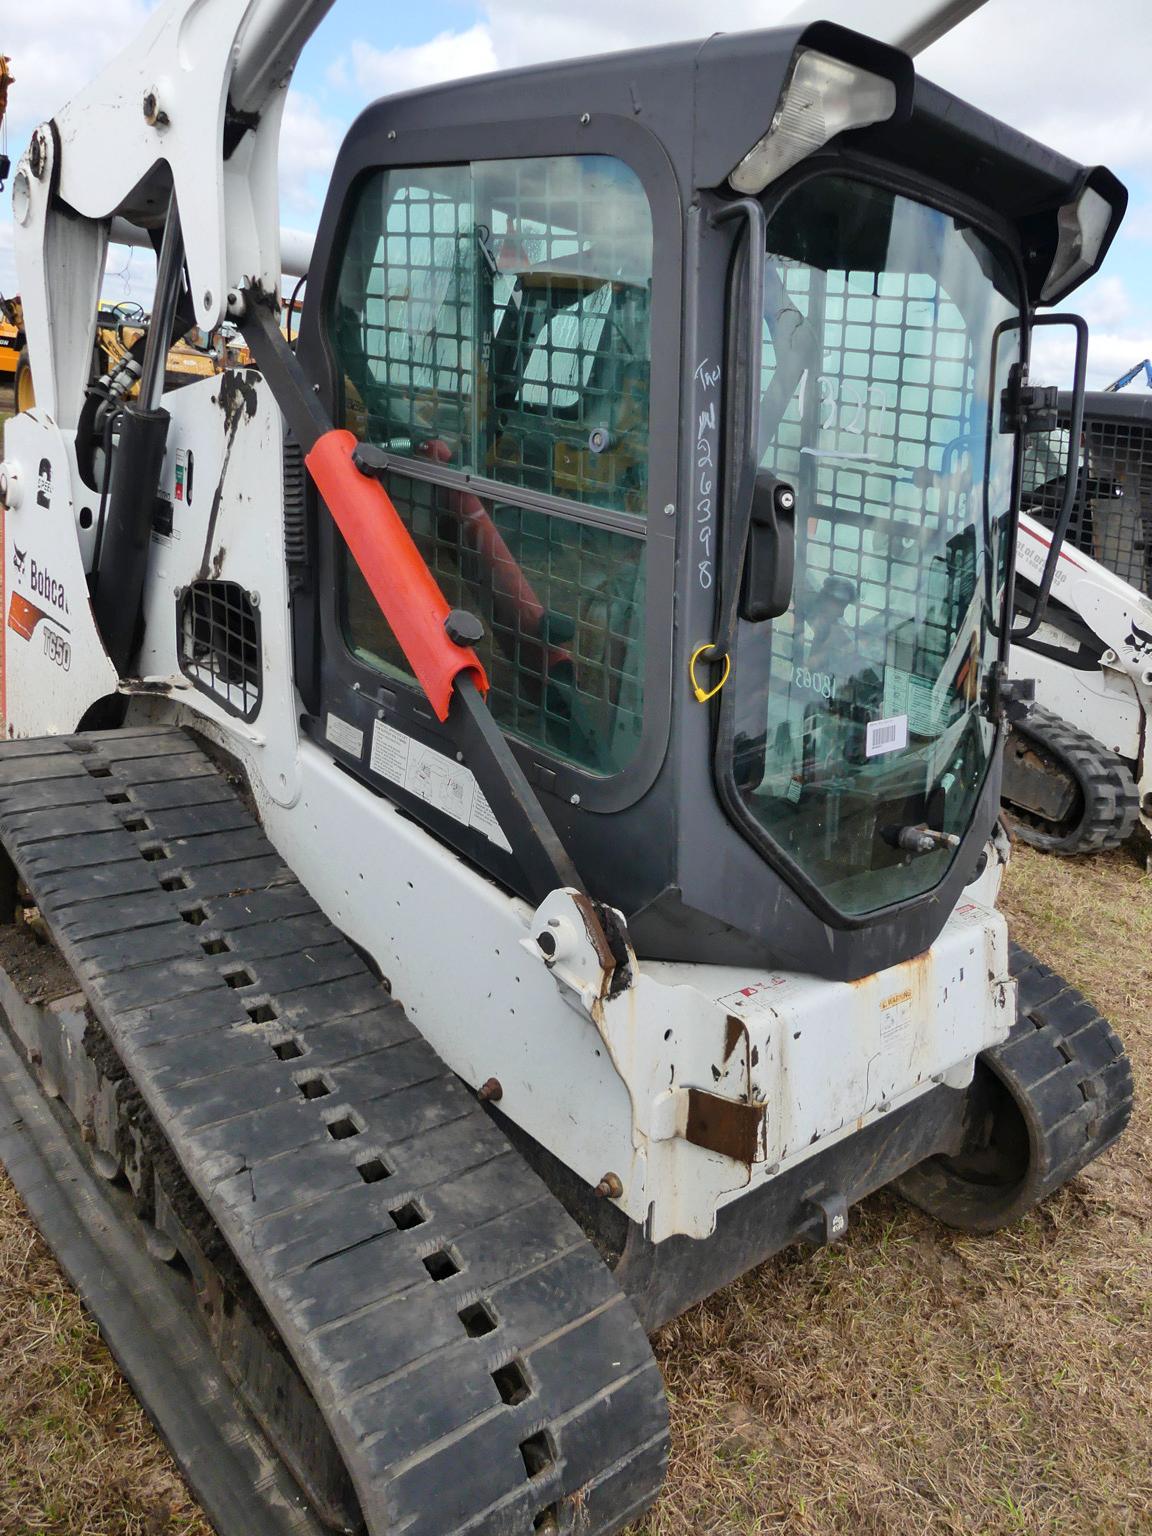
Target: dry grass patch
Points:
(78, 1456)
(908, 1381)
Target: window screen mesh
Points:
(889, 330)
(567, 674)
(497, 318)
(878, 447)
(1112, 512)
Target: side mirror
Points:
(770, 556)
(1072, 474)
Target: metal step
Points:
(476, 1364)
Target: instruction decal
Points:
(436, 779)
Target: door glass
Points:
(568, 675)
(859, 718)
(496, 318)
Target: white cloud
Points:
(1105, 301)
(1076, 81)
(56, 47)
(309, 139)
(309, 144)
(1120, 334)
(448, 56)
(1110, 354)
(524, 32)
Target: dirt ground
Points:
(908, 1381)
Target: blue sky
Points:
(1082, 89)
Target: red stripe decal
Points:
(394, 569)
(1047, 543)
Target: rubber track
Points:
(1068, 1065)
(1110, 799)
(201, 954)
(1067, 1074)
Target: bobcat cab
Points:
(515, 782)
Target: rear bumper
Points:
(793, 1066)
(663, 1279)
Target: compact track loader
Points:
(500, 805)
(1077, 773)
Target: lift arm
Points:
(192, 107)
(911, 25)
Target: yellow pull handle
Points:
(704, 694)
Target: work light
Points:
(823, 97)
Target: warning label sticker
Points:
(896, 1020)
(759, 996)
(343, 735)
(436, 779)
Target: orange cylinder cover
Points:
(394, 569)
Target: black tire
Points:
(23, 392)
(1043, 1105)
(1104, 805)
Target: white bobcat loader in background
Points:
(1078, 766)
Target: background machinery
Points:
(1144, 367)
(512, 786)
(1078, 777)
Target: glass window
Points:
(567, 675)
(859, 717)
(496, 318)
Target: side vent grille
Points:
(295, 514)
(218, 624)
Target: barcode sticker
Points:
(886, 735)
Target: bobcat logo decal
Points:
(1140, 640)
(18, 558)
